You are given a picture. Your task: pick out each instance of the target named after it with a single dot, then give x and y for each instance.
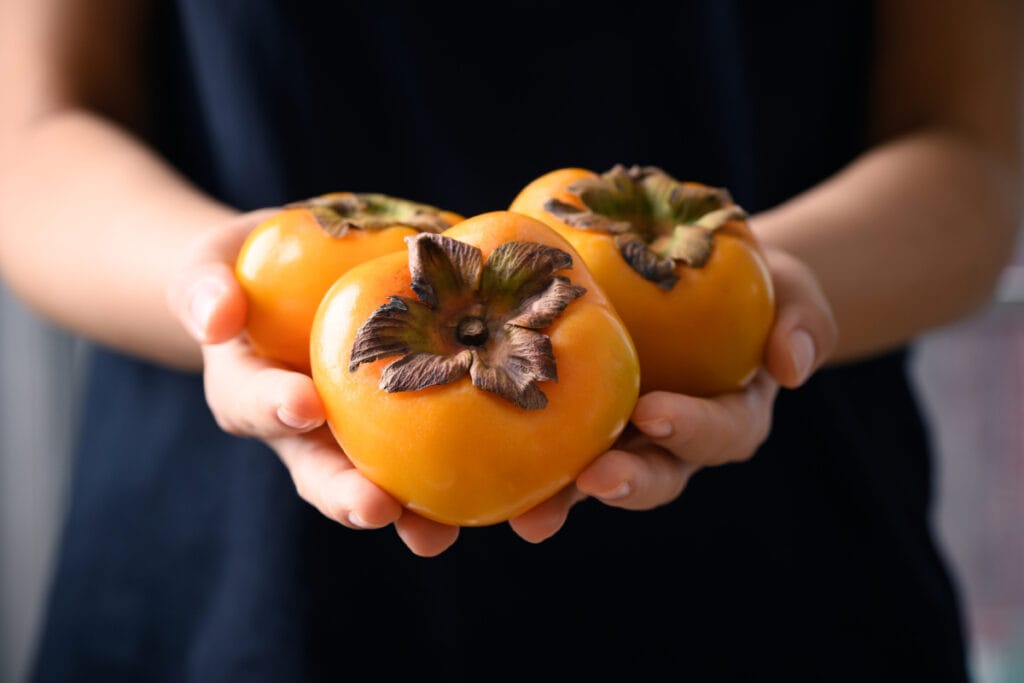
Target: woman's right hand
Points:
(253, 397)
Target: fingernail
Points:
(292, 420)
(801, 352)
(658, 427)
(204, 300)
(620, 491)
(357, 521)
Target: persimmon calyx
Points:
(471, 317)
(339, 212)
(656, 220)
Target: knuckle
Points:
(764, 430)
(339, 497)
(759, 434)
(305, 485)
(312, 488)
(336, 511)
(228, 425)
(301, 488)
(677, 483)
(330, 505)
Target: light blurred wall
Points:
(40, 377)
(971, 381)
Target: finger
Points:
(805, 331)
(543, 521)
(701, 431)
(223, 244)
(640, 479)
(209, 302)
(250, 396)
(326, 479)
(425, 537)
(204, 294)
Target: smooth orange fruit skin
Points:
(454, 453)
(704, 337)
(287, 264)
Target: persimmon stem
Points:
(500, 307)
(339, 212)
(657, 221)
(471, 331)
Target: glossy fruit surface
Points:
(679, 263)
(292, 258)
(476, 374)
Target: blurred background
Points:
(970, 377)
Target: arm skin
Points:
(92, 223)
(98, 233)
(914, 234)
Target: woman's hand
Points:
(672, 435)
(253, 397)
(670, 438)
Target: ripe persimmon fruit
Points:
(678, 261)
(291, 259)
(477, 373)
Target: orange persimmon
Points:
(292, 258)
(477, 373)
(678, 261)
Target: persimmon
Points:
(291, 259)
(477, 373)
(678, 261)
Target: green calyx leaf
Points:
(471, 317)
(658, 221)
(339, 212)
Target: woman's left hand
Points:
(671, 436)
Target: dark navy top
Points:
(187, 554)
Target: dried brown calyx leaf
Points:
(656, 220)
(339, 212)
(471, 317)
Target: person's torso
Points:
(812, 560)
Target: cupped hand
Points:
(671, 436)
(251, 396)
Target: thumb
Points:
(208, 301)
(805, 332)
(205, 295)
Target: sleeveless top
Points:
(188, 556)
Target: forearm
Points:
(909, 237)
(92, 226)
